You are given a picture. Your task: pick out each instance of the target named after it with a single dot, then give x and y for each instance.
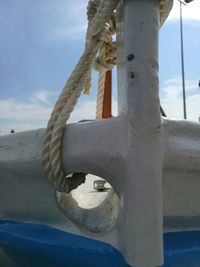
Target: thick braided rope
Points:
(59, 124)
(100, 94)
(105, 60)
(91, 11)
(76, 78)
(55, 129)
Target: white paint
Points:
(126, 151)
(141, 229)
(26, 195)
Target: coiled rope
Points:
(100, 17)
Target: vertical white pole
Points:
(141, 226)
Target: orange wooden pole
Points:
(107, 100)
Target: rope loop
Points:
(52, 147)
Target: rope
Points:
(100, 16)
(100, 95)
(51, 154)
(91, 11)
(105, 60)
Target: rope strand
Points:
(51, 153)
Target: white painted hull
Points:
(26, 195)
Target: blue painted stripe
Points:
(34, 245)
(182, 249)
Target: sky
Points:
(42, 40)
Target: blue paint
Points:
(182, 249)
(34, 245)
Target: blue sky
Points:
(42, 40)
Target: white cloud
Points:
(12, 109)
(41, 96)
(34, 113)
(173, 87)
(37, 107)
(87, 110)
(25, 115)
(84, 111)
(172, 100)
(190, 11)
